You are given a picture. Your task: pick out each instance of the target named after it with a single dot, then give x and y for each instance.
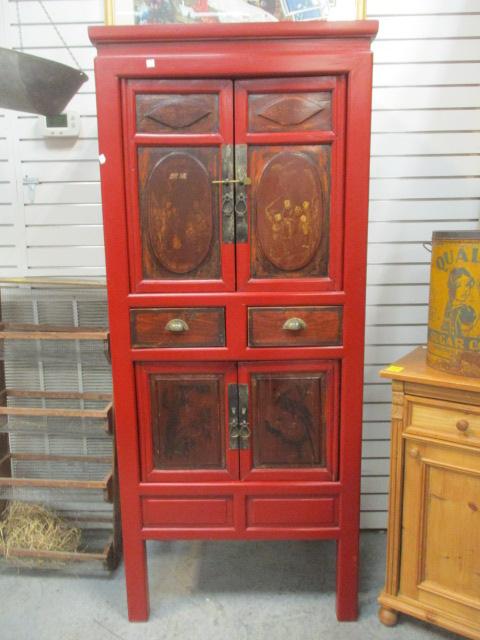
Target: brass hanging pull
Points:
(294, 324)
(233, 428)
(177, 326)
(244, 428)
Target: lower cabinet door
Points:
(292, 420)
(440, 565)
(183, 418)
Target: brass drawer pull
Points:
(462, 425)
(177, 326)
(414, 452)
(295, 324)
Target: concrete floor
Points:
(209, 591)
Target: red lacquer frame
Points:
(238, 51)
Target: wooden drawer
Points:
(295, 326)
(177, 328)
(188, 512)
(447, 420)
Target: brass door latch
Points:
(239, 429)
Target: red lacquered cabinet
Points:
(234, 164)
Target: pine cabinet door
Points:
(184, 422)
(441, 529)
(292, 420)
(180, 215)
(289, 145)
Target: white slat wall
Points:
(62, 226)
(425, 175)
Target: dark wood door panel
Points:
(184, 421)
(290, 211)
(289, 418)
(188, 421)
(177, 328)
(293, 415)
(295, 326)
(179, 213)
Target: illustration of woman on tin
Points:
(460, 314)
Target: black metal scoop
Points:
(36, 85)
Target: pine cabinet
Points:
(234, 165)
(433, 565)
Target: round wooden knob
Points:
(414, 452)
(462, 425)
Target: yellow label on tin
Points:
(454, 310)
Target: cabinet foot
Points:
(388, 617)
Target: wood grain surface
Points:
(323, 326)
(290, 112)
(206, 328)
(174, 113)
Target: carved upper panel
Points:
(177, 113)
(290, 112)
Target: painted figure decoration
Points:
(460, 315)
(454, 314)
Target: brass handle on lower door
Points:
(177, 326)
(294, 324)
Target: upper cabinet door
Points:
(289, 136)
(180, 213)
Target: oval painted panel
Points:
(178, 214)
(289, 210)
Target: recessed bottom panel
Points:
(188, 512)
(298, 511)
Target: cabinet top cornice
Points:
(359, 29)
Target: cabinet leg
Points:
(347, 579)
(388, 617)
(137, 580)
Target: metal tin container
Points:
(454, 311)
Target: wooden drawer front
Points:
(298, 511)
(455, 422)
(188, 512)
(152, 328)
(177, 113)
(268, 327)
